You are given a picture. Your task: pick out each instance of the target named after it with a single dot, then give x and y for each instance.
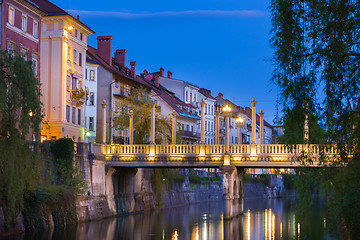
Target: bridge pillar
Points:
(232, 191)
(253, 121)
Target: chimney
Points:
(133, 67)
(104, 46)
(156, 80)
(220, 95)
(145, 72)
(169, 74)
(161, 72)
(120, 56)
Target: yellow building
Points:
(63, 47)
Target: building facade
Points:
(63, 46)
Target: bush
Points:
(263, 179)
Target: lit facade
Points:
(63, 46)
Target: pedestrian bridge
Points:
(208, 156)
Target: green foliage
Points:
(317, 67)
(195, 179)
(140, 103)
(19, 160)
(67, 173)
(289, 181)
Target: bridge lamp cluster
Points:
(239, 120)
(226, 109)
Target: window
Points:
(76, 33)
(35, 66)
(68, 113)
(11, 15)
(187, 127)
(186, 96)
(35, 29)
(116, 84)
(69, 53)
(205, 125)
(24, 23)
(80, 59)
(11, 47)
(192, 128)
(92, 75)
(232, 139)
(190, 97)
(86, 74)
(205, 108)
(73, 114)
(194, 97)
(73, 83)
(91, 124)
(75, 55)
(91, 99)
(81, 36)
(79, 116)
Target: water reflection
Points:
(262, 219)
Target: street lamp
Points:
(239, 124)
(227, 112)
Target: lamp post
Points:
(227, 114)
(131, 137)
(239, 125)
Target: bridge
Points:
(115, 165)
(213, 156)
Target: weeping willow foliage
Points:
(19, 159)
(140, 103)
(317, 62)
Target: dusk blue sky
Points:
(221, 45)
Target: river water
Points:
(262, 219)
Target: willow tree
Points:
(140, 103)
(20, 116)
(317, 62)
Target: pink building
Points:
(20, 29)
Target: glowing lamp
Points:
(70, 28)
(88, 134)
(30, 113)
(226, 109)
(240, 120)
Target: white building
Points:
(91, 101)
(209, 115)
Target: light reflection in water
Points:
(271, 219)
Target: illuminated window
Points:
(24, 23)
(91, 123)
(35, 66)
(11, 15)
(92, 99)
(92, 75)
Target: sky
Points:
(221, 45)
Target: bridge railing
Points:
(182, 149)
(243, 151)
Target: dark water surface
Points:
(262, 219)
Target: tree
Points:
(317, 62)
(20, 111)
(140, 103)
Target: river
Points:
(262, 219)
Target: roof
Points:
(114, 68)
(206, 93)
(249, 114)
(52, 10)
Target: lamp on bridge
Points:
(239, 124)
(227, 113)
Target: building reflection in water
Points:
(269, 220)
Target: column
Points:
(152, 130)
(261, 127)
(202, 125)
(253, 121)
(227, 132)
(173, 128)
(104, 121)
(217, 125)
(131, 123)
(239, 134)
(306, 129)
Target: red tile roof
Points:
(113, 68)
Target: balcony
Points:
(78, 96)
(190, 135)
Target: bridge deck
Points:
(201, 155)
